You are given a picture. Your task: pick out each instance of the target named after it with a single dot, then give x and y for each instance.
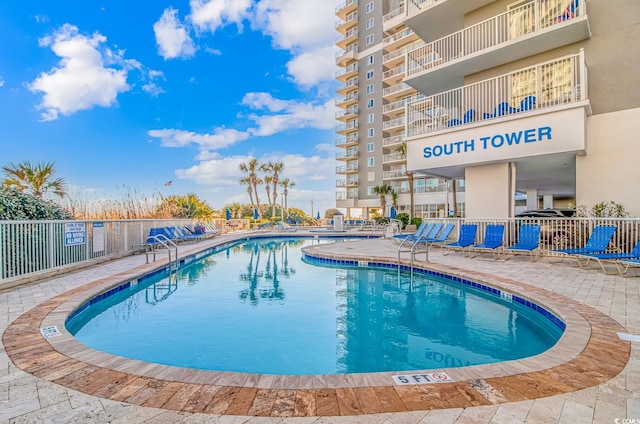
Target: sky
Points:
(129, 95)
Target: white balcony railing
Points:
(350, 111)
(349, 19)
(353, 32)
(390, 141)
(348, 168)
(559, 82)
(343, 71)
(345, 4)
(396, 88)
(399, 70)
(351, 49)
(395, 12)
(346, 195)
(400, 104)
(399, 173)
(393, 157)
(417, 6)
(401, 52)
(398, 122)
(353, 96)
(347, 182)
(397, 36)
(348, 126)
(349, 154)
(508, 26)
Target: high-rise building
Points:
(482, 108)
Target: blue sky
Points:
(129, 94)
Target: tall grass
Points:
(130, 204)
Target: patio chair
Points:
(399, 238)
(610, 257)
(623, 265)
(528, 243)
(466, 238)
(597, 243)
(492, 241)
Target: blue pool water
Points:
(258, 307)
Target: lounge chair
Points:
(466, 238)
(528, 242)
(597, 243)
(623, 265)
(610, 257)
(492, 241)
(399, 238)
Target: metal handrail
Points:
(165, 242)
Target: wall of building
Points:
(612, 53)
(610, 169)
(488, 192)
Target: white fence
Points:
(28, 247)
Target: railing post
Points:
(583, 76)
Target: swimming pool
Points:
(256, 307)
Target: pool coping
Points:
(587, 354)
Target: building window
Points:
(370, 133)
(371, 176)
(371, 162)
(369, 23)
(370, 103)
(370, 60)
(370, 75)
(370, 191)
(370, 7)
(370, 39)
(369, 88)
(370, 118)
(370, 147)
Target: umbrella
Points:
(228, 214)
(392, 213)
(318, 217)
(255, 213)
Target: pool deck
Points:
(590, 376)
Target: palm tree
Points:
(286, 184)
(251, 168)
(382, 191)
(402, 149)
(247, 181)
(276, 168)
(37, 179)
(268, 179)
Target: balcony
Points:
(346, 114)
(395, 58)
(349, 21)
(345, 87)
(346, 7)
(533, 28)
(553, 85)
(343, 40)
(346, 195)
(343, 74)
(397, 123)
(394, 175)
(395, 75)
(401, 37)
(432, 19)
(393, 158)
(348, 100)
(349, 169)
(350, 154)
(343, 57)
(345, 128)
(350, 140)
(393, 141)
(395, 91)
(393, 19)
(350, 182)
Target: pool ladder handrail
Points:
(166, 243)
(418, 241)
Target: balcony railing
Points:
(397, 36)
(346, 195)
(416, 6)
(350, 111)
(353, 96)
(349, 20)
(396, 88)
(399, 173)
(351, 49)
(398, 122)
(393, 140)
(399, 70)
(343, 71)
(353, 32)
(393, 157)
(347, 182)
(352, 139)
(561, 82)
(401, 52)
(400, 104)
(345, 4)
(348, 168)
(348, 126)
(518, 22)
(395, 12)
(349, 154)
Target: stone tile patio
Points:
(594, 384)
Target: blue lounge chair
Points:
(623, 265)
(424, 243)
(466, 238)
(492, 241)
(610, 257)
(399, 238)
(528, 242)
(597, 243)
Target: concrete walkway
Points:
(26, 398)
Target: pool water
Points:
(258, 307)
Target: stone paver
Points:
(25, 397)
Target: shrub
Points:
(416, 221)
(16, 205)
(404, 217)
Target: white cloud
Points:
(213, 14)
(172, 37)
(1, 81)
(301, 27)
(81, 81)
(287, 114)
(221, 138)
